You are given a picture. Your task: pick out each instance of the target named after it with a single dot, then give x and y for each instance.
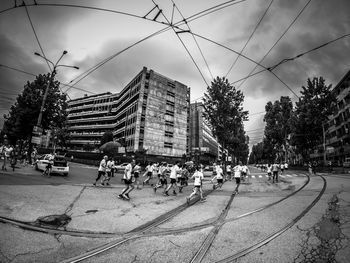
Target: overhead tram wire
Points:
(36, 36)
(183, 44)
(195, 40)
(28, 73)
(191, 18)
(250, 37)
(285, 31)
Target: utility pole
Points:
(324, 145)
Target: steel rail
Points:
(276, 234)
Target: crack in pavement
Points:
(30, 253)
(70, 207)
(325, 238)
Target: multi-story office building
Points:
(150, 113)
(338, 128)
(203, 145)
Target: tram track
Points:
(145, 230)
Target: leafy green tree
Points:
(224, 112)
(312, 110)
(24, 113)
(106, 137)
(278, 120)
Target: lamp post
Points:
(53, 73)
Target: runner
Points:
(219, 178)
(269, 172)
(108, 174)
(137, 170)
(101, 169)
(275, 173)
(282, 168)
(173, 175)
(184, 177)
(237, 174)
(148, 173)
(245, 172)
(198, 182)
(127, 178)
(229, 172)
(162, 179)
(48, 167)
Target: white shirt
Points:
(102, 167)
(127, 172)
(198, 178)
(245, 168)
(109, 166)
(228, 168)
(174, 170)
(286, 165)
(238, 170)
(219, 172)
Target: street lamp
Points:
(53, 73)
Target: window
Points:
(170, 84)
(169, 134)
(168, 145)
(169, 123)
(170, 113)
(171, 94)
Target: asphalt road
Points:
(323, 233)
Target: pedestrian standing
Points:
(198, 182)
(173, 176)
(101, 169)
(127, 178)
(237, 174)
(275, 173)
(137, 171)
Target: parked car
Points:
(120, 167)
(347, 162)
(59, 164)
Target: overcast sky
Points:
(91, 36)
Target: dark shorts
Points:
(163, 181)
(197, 186)
(136, 174)
(238, 180)
(220, 181)
(149, 174)
(127, 181)
(244, 173)
(172, 181)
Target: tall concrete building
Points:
(338, 126)
(203, 145)
(151, 113)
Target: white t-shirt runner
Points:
(174, 171)
(127, 172)
(198, 178)
(238, 171)
(103, 165)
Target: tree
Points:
(278, 120)
(224, 112)
(106, 137)
(312, 110)
(24, 113)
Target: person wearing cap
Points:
(101, 169)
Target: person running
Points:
(101, 169)
(269, 172)
(184, 177)
(162, 178)
(137, 171)
(198, 182)
(148, 173)
(173, 175)
(48, 167)
(219, 178)
(112, 167)
(127, 178)
(229, 172)
(282, 168)
(237, 174)
(275, 173)
(108, 174)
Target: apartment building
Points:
(338, 126)
(203, 145)
(150, 113)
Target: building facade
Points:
(338, 127)
(151, 113)
(203, 145)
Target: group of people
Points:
(178, 175)
(11, 155)
(273, 170)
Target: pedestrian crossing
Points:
(283, 175)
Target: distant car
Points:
(59, 164)
(121, 167)
(347, 162)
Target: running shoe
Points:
(213, 186)
(120, 196)
(155, 189)
(188, 200)
(166, 194)
(126, 196)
